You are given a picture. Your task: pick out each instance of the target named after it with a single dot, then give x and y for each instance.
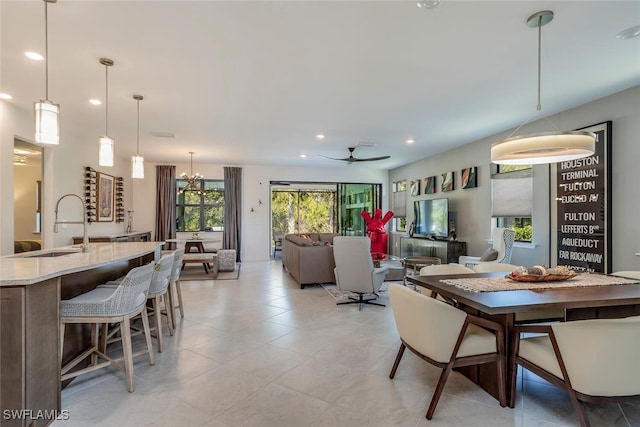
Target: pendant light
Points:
(543, 147)
(47, 114)
(137, 161)
(106, 144)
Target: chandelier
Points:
(193, 180)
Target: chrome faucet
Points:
(85, 237)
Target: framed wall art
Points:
(469, 177)
(448, 183)
(581, 208)
(430, 185)
(415, 187)
(105, 196)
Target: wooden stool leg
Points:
(158, 318)
(94, 342)
(179, 292)
(62, 325)
(171, 306)
(125, 328)
(167, 304)
(147, 334)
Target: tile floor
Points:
(259, 351)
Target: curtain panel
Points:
(232, 209)
(165, 203)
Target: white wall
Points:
(63, 174)
(256, 231)
(473, 206)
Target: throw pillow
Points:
(489, 255)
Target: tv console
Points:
(447, 251)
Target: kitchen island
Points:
(31, 287)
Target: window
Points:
(512, 194)
(200, 209)
(399, 190)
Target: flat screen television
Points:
(431, 218)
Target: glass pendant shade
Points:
(106, 151)
(137, 167)
(47, 115)
(544, 147)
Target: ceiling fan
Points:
(352, 159)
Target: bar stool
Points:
(110, 305)
(174, 284)
(158, 290)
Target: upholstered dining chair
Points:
(354, 270)
(434, 270)
(104, 305)
(500, 250)
(445, 337)
(631, 274)
(592, 360)
(491, 267)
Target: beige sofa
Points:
(309, 257)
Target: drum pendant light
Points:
(105, 156)
(543, 147)
(137, 161)
(47, 114)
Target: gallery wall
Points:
(473, 206)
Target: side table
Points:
(417, 262)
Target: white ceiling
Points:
(253, 82)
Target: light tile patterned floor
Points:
(260, 351)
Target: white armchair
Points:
(354, 269)
(500, 251)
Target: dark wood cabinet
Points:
(447, 251)
(143, 236)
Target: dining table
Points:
(496, 297)
(197, 244)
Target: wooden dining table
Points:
(579, 302)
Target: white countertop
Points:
(26, 269)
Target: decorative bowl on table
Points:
(539, 273)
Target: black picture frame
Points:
(580, 205)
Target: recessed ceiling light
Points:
(410, 141)
(5, 96)
(34, 55)
(320, 136)
(303, 155)
(629, 33)
(428, 4)
(95, 101)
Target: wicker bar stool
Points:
(158, 291)
(110, 305)
(174, 285)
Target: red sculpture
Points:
(376, 232)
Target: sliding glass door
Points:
(295, 210)
(353, 199)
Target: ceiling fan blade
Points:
(371, 159)
(333, 158)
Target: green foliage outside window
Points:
(200, 212)
(299, 211)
